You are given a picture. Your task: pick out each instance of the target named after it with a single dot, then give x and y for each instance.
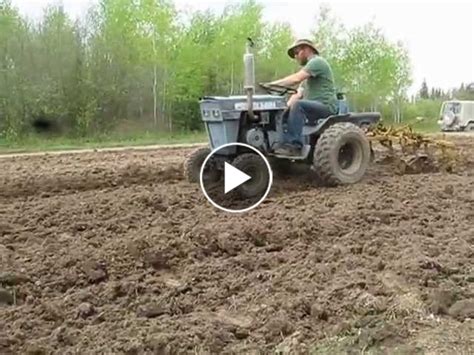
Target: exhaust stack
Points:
(249, 80)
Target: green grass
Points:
(424, 126)
(35, 143)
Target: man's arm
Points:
(292, 79)
(296, 97)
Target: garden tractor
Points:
(336, 148)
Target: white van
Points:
(457, 115)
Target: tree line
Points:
(146, 64)
(463, 92)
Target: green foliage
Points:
(144, 62)
(370, 69)
(272, 60)
(424, 91)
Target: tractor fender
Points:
(362, 120)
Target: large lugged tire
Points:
(254, 166)
(470, 127)
(342, 154)
(193, 163)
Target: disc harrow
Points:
(413, 152)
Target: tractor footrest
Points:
(304, 154)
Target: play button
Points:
(236, 177)
(233, 177)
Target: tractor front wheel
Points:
(342, 154)
(193, 164)
(254, 166)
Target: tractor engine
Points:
(255, 137)
(264, 130)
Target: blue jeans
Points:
(299, 112)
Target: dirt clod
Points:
(279, 325)
(151, 311)
(95, 272)
(449, 190)
(35, 349)
(224, 242)
(241, 333)
(62, 336)
(380, 334)
(319, 312)
(159, 345)
(462, 310)
(157, 259)
(441, 300)
(12, 279)
(96, 276)
(6, 297)
(85, 310)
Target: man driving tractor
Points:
(316, 96)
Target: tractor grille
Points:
(230, 115)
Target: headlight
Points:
(216, 113)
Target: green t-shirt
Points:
(320, 86)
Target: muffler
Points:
(249, 80)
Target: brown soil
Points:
(116, 253)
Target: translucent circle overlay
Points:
(270, 180)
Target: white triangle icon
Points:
(233, 177)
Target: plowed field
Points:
(116, 253)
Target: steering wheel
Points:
(277, 89)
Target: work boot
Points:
(288, 150)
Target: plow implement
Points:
(412, 152)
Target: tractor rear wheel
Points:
(342, 154)
(193, 163)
